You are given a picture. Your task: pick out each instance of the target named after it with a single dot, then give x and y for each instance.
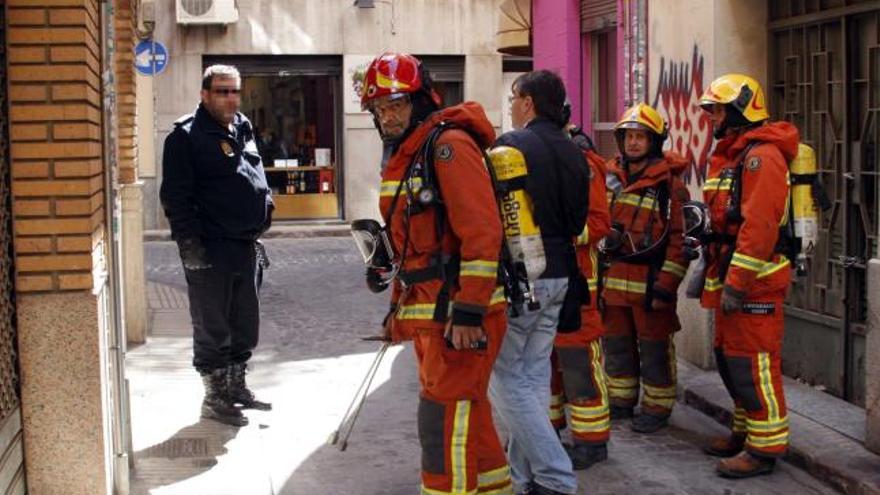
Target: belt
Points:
(435, 271)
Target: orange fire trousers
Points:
(578, 383)
(639, 344)
(748, 350)
(461, 453)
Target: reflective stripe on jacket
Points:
(753, 267)
(472, 226)
(638, 209)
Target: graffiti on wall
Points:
(677, 98)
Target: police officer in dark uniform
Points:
(217, 201)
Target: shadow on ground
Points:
(189, 452)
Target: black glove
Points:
(192, 254)
(691, 248)
(374, 280)
(731, 300)
(614, 239)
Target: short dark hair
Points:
(220, 71)
(547, 92)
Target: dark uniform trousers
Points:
(224, 304)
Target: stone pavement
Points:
(309, 363)
(827, 433)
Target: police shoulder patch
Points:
(753, 163)
(444, 152)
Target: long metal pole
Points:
(116, 335)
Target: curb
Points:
(826, 454)
(279, 232)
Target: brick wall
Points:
(126, 99)
(56, 142)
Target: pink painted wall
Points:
(586, 121)
(621, 62)
(556, 46)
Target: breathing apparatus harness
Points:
(650, 251)
(420, 189)
(788, 243)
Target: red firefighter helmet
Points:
(395, 74)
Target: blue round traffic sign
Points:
(150, 57)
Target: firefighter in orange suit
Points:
(747, 274)
(578, 379)
(439, 205)
(646, 264)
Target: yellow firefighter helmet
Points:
(739, 91)
(644, 117)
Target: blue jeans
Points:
(520, 392)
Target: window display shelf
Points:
(305, 205)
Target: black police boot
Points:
(216, 405)
(648, 423)
(583, 456)
(238, 390)
(620, 412)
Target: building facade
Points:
(815, 62)
(67, 161)
(301, 63)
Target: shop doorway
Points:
(294, 104)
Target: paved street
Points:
(309, 363)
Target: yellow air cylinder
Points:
(522, 235)
(803, 203)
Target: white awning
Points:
(514, 35)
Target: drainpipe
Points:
(635, 47)
(119, 420)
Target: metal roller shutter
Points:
(597, 15)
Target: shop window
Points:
(452, 92)
(295, 120)
(447, 72)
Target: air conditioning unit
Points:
(206, 12)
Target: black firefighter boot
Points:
(239, 391)
(216, 405)
(584, 455)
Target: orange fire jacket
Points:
(753, 266)
(471, 232)
(637, 209)
(598, 225)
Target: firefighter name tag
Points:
(758, 308)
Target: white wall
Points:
(331, 27)
(690, 43)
